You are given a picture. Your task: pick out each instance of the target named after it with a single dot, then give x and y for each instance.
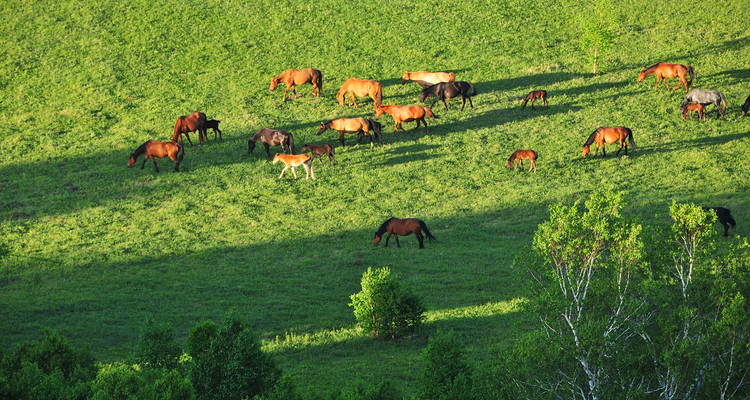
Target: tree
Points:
(594, 26)
(446, 374)
(157, 347)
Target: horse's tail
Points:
(429, 113)
(379, 96)
(451, 77)
(340, 96)
(426, 231)
(319, 76)
(723, 103)
(177, 129)
(630, 138)
(291, 143)
(333, 150)
(471, 85)
(180, 153)
(692, 75)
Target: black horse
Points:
(707, 97)
(213, 124)
(375, 127)
(272, 137)
(448, 90)
(746, 106)
(724, 216)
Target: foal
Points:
(320, 149)
(519, 155)
(533, 95)
(697, 107)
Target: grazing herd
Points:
(440, 85)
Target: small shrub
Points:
(200, 337)
(384, 307)
(446, 374)
(157, 347)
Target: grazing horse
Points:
(519, 155)
(152, 149)
(318, 150)
(406, 114)
(347, 125)
(697, 107)
(376, 128)
(707, 97)
(195, 122)
(609, 135)
(214, 124)
(724, 216)
(296, 77)
(666, 70)
(533, 95)
(295, 160)
(427, 79)
(362, 88)
(272, 137)
(447, 90)
(403, 227)
(746, 106)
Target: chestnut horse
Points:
(406, 114)
(347, 125)
(697, 107)
(152, 149)
(318, 150)
(533, 95)
(272, 137)
(427, 79)
(195, 122)
(609, 135)
(296, 77)
(519, 155)
(295, 160)
(746, 106)
(666, 70)
(403, 227)
(362, 88)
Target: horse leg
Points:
(726, 228)
(145, 158)
(425, 124)
(294, 173)
(156, 167)
(463, 102)
(294, 92)
(341, 139)
(420, 238)
(398, 244)
(282, 172)
(176, 167)
(532, 103)
(354, 98)
(533, 165)
(387, 238)
(658, 78)
(188, 138)
(309, 169)
(268, 152)
(285, 92)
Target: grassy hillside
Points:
(91, 248)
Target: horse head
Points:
(406, 77)
(642, 75)
(324, 126)
(276, 158)
(379, 111)
(274, 83)
(586, 150)
(131, 160)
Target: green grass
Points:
(94, 248)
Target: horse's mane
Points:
(383, 227)
(648, 69)
(140, 150)
(591, 138)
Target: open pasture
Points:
(91, 248)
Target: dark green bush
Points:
(157, 347)
(385, 308)
(446, 374)
(200, 337)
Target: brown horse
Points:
(318, 150)
(403, 227)
(347, 125)
(533, 95)
(272, 137)
(195, 122)
(296, 77)
(666, 70)
(427, 79)
(406, 114)
(519, 155)
(152, 149)
(609, 135)
(697, 107)
(362, 88)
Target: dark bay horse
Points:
(272, 137)
(296, 77)
(403, 227)
(609, 135)
(318, 150)
(519, 155)
(427, 79)
(362, 88)
(357, 125)
(533, 95)
(214, 124)
(195, 122)
(447, 90)
(746, 106)
(707, 97)
(376, 128)
(666, 70)
(402, 114)
(152, 149)
(724, 216)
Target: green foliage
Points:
(383, 390)
(384, 307)
(119, 382)
(200, 337)
(446, 374)
(47, 369)
(157, 347)
(234, 366)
